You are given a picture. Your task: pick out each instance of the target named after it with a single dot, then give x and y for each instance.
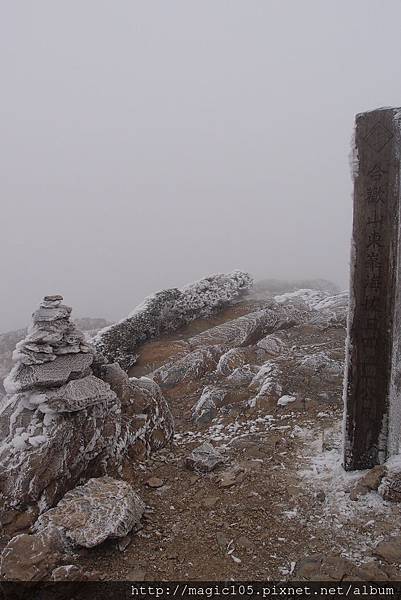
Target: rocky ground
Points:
(251, 487)
(279, 505)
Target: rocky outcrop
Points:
(208, 404)
(167, 311)
(147, 421)
(248, 329)
(191, 367)
(88, 515)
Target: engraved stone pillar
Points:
(372, 386)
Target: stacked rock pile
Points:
(59, 421)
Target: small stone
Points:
(155, 482)
(124, 542)
(389, 550)
(136, 575)
(204, 458)
(309, 567)
(370, 481)
(231, 477)
(320, 496)
(244, 542)
(210, 501)
(222, 539)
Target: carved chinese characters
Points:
(372, 385)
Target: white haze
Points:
(145, 144)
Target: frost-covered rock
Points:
(390, 487)
(167, 311)
(321, 364)
(191, 367)
(271, 344)
(266, 383)
(48, 374)
(76, 395)
(243, 375)
(208, 404)
(248, 329)
(89, 514)
(235, 357)
(147, 422)
(285, 400)
(204, 458)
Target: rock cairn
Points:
(59, 421)
(69, 417)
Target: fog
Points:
(145, 144)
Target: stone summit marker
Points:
(372, 386)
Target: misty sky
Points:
(145, 144)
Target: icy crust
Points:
(168, 310)
(88, 515)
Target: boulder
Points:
(190, 367)
(32, 557)
(89, 514)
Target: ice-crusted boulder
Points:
(147, 421)
(190, 367)
(167, 311)
(207, 406)
(67, 416)
(102, 508)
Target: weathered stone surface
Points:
(78, 395)
(245, 330)
(146, 418)
(32, 557)
(167, 311)
(74, 573)
(49, 374)
(321, 364)
(71, 445)
(389, 550)
(390, 487)
(370, 481)
(373, 382)
(88, 515)
(207, 406)
(59, 423)
(204, 458)
(191, 367)
(271, 344)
